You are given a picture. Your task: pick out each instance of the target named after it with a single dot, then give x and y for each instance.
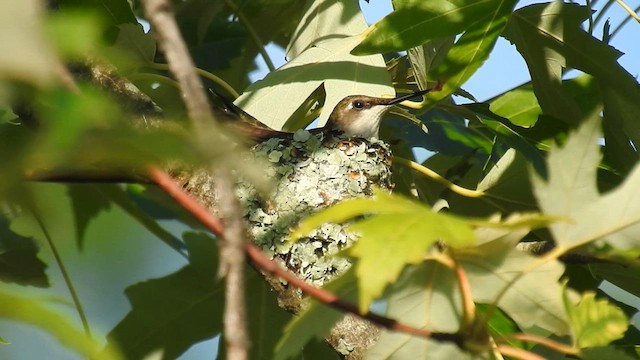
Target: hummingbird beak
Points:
(402, 98)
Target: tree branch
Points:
(160, 15)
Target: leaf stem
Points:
(437, 178)
(551, 344)
(206, 74)
(628, 10)
(65, 274)
(468, 307)
(155, 78)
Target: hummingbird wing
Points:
(229, 112)
(241, 121)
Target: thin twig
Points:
(232, 268)
(65, 274)
(546, 342)
(437, 178)
(160, 15)
(518, 353)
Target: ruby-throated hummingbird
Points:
(355, 115)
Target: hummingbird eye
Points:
(358, 104)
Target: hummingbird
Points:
(355, 115)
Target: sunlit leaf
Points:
(534, 299)
(595, 322)
(571, 182)
(323, 19)
(275, 99)
(520, 106)
(415, 22)
(398, 232)
(471, 50)
(571, 191)
(425, 296)
(328, 63)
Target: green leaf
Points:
(415, 22)
(86, 204)
(325, 19)
(595, 322)
(133, 39)
(425, 296)
(188, 302)
(620, 127)
(520, 106)
(508, 180)
(114, 12)
(471, 50)
(26, 310)
(500, 324)
(550, 37)
(534, 299)
(427, 56)
(390, 242)
(398, 232)
(605, 352)
(571, 183)
(537, 31)
(19, 262)
(571, 191)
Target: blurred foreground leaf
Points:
(34, 312)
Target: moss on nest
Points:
(312, 172)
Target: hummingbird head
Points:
(360, 115)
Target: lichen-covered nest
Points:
(312, 171)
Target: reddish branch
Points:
(255, 255)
